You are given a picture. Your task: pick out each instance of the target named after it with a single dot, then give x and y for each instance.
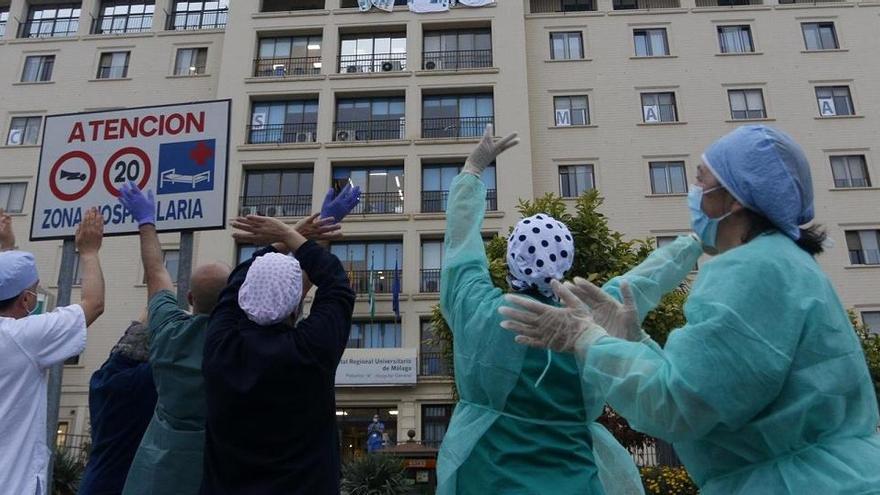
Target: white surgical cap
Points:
(272, 289)
(18, 271)
(539, 250)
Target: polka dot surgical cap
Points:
(539, 250)
(272, 289)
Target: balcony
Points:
(377, 62)
(383, 280)
(203, 19)
(287, 67)
(48, 28)
(455, 127)
(276, 206)
(282, 133)
(430, 280)
(369, 130)
(728, 3)
(433, 364)
(457, 60)
(436, 201)
(645, 4)
(291, 5)
(380, 203)
(552, 6)
(120, 24)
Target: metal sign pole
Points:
(65, 283)
(184, 268)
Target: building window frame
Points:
(651, 42)
(659, 107)
(37, 68)
(584, 176)
(747, 104)
(834, 98)
(566, 113)
(24, 130)
(194, 15)
(56, 20)
(471, 114)
(863, 246)
(191, 61)
(13, 196)
(850, 171)
(437, 423)
(4, 19)
(376, 334)
(113, 65)
(820, 36)
(735, 38)
(289, 56)
(256, 201)
(124, 16)
(871, 319)
(674, 177)
(271, 121)
(356, 56)
(564, 40)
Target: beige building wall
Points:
(523, 81)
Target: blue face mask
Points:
(705, 227)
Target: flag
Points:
(476, 3)
(364, 5)
(395, 292)
(386, 5)
(425, 6)
(371, 290)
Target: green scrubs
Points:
(765, 390)
(169, 459)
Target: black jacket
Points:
(271, 418)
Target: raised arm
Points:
(143, 209)
(89, 236)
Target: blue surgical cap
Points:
(767, 172)
(18, 271)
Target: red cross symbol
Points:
(201, 153)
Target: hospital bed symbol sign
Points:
(186, 167)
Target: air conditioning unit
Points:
(279, 70)
(361, 135)
(351, 69)
(344, 136)
(433, 65)
(304, 137)
(247, 210)
(392, 66)
(275, 211)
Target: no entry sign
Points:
(178, 151)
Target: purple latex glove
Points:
(142, 208)
(340, 205)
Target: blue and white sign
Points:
(187, 167)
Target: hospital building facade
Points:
(617, 95)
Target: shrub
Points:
(374, 474)
(666, 480)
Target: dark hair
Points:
(7, 303)
(811, 240)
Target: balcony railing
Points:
(728, 3)
(455, 127)
(118, 24)
(433, 364)
(430, 280)
(369, 130)
(457, 59)
(549, 6)
(292, 5)
(48, 28)
(435, 201)
(287, 67)
(864, 256)
(379, 203)
(282, 133)
(791, 2)
(383, 281)
(204, 19)
(276, 206)
(377, 62)
(645, 4)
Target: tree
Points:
(871, 346)
(600, 254)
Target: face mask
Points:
(705, 227)
(36, 303)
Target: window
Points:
(294, 121)
(431, 360)
(125, 16)
(113, 65)
(848, 171)
(650, 42)
(871, 319)
(289, 56)
(12, 196)
(277, 193)
(735, 39)
(370, 262)
(4, 20)
(171, 260)
(374, 335)
(199, 15)
(244, 252)
(668, 178)
(435, 422)
(54, 20)
(566, 45)
(746, 104)
(437, 179)
(372, 53)
(24, 131)
(820, 35)
(461, 49)
(571, 110)
(191, 61)
(432, 262)
(370, 118)
(456, 116)
(864, 247)
(381, 187)
(575, 180)
(659, 107)
(38, 68)
(577, 5)
(834, 101)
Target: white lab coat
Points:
(28, 348)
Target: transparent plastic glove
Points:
(550, 327)
(339, 205)
(488, 149)
(142, 208)
(620, 320)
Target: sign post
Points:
(180, 152)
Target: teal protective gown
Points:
(508, 435)
(765, 390)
